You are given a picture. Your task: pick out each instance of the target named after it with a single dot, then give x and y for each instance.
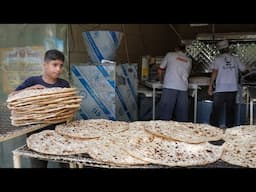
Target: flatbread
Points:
(47, 101)
(172, 153)
(64, 116)
(49, 142)
(49, 105)
(240, 152)
(37, 92)
(92, 128)
(35, 99)
(50, 108)
(23, 123)
(108, 149)
(186, 132)
(242, 132)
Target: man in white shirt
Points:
(225, 70)
(174, 100)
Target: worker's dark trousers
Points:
(219, 100)
(174, 103)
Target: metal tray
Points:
(86, 161)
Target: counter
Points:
(157, 85)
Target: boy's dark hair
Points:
(54, 54)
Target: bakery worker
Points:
(225, 70)
(174, 99)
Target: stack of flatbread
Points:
(49, 106)
(240, 146)
(136, 143)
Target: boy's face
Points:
(53, 68)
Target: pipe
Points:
(179, 36)
(68, 51)
(213, 32)
(125, 43)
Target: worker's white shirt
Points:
(227, 77)
(178, 67)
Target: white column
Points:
(251, 111)
(247, 104)
(195, 104)
(72, 165)
(16, 161)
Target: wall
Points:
(140, 39)
(188, 32)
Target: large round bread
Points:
(49, 142)
(110, 147)
(109, 150)
(186, 132)
(173, 153)
(92, 128)
(38, 92)
(242, 132)
(240, 152)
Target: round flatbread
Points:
(49, 142)
(240, 152)
(242, 132)
(110, 147)
(109, 150)
(92, 128)
(186, 132)
(42, 102)
(172, 153)
(38, 92)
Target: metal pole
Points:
(251, 111)
(195, 104)
(239, 104)
(154, 102)
(68, 51)
(247, 104)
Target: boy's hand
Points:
(37, 87)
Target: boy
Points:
(53, 67)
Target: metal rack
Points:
(84, 160)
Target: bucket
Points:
(102, 45)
